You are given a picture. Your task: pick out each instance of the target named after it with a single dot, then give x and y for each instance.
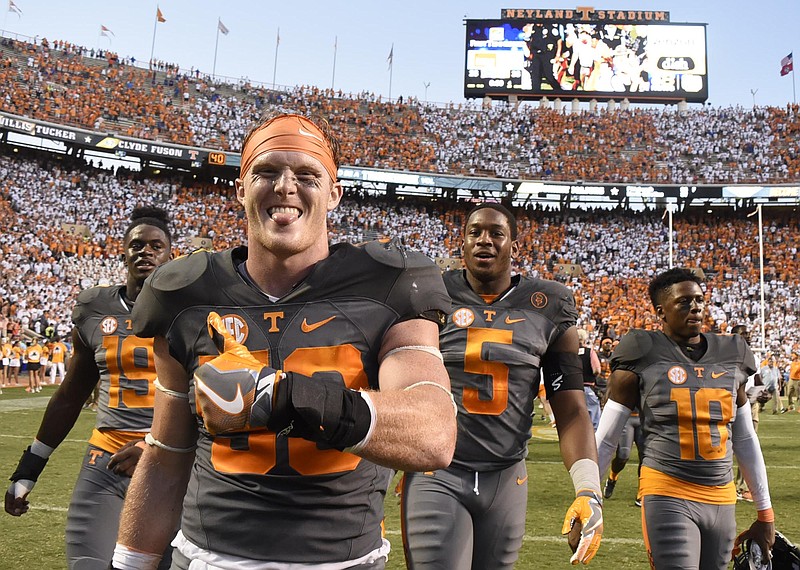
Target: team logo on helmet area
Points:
(539, 300)
(236, 326)
(109, 325)
(677, 375)
(463, 317)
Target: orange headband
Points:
(288, 132)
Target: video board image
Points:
(640, 62)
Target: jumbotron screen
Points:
(658, 63)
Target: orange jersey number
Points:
(130, 358)
(497, 372)
(695, 422)
(254, 452)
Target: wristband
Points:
(128, 559)
(766, 515)
(585, 477)
(30, 466)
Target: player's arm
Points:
(415, 420)
(623, 395)
(410, 424)
(747, 449)
(562, 365)
(59, 418)
(153, 502)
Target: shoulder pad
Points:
(88, 295)
(632, 347)
(395, 254)
(181, 272)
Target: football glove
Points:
(23, 479)
(321, 409)
(588, 509)
(234, 390)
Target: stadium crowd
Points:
(606, 257)
(71, 85)
(46, 263)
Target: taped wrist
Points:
(320, 409)
(30, 466)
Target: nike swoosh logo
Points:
(305, 133)
(307, 328)
(510, 321)
(521, 481)
(716, 375)
(233, 407)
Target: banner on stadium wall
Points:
(743, 192)
(121, 146)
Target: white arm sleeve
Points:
(612, 422)
(751, 461)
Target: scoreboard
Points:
(533, 58)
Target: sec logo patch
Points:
(108, 325)
(539, 300)
(463, 317)
(677, 375)
(236, 326)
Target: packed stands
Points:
(71, 85)
(44, 264)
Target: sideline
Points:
(32, 403)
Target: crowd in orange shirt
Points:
(66, 84)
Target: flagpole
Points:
(153, 46)
(335, 48)
(794, 96)
(216, 45)
(391, 70)
(275, 65)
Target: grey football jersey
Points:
(257, 494)
(687, 407)
(493, 353)
(125, 361)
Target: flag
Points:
(390, 59)
(159, 15)
(105, 31)
(221, 27)
(14, 8)
(787, 65)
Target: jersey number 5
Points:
(497, 372)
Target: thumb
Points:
(225, 341)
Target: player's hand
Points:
(23, 479)
(16, 503)
(763, 533)
(233, 391)
(586, 509)
(124, 461)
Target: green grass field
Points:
(35, 541)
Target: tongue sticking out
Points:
(285, 216)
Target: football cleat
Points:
(608, 490)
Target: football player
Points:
(690, 389)
(505, 335)
(291, 376)
(107, 352)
